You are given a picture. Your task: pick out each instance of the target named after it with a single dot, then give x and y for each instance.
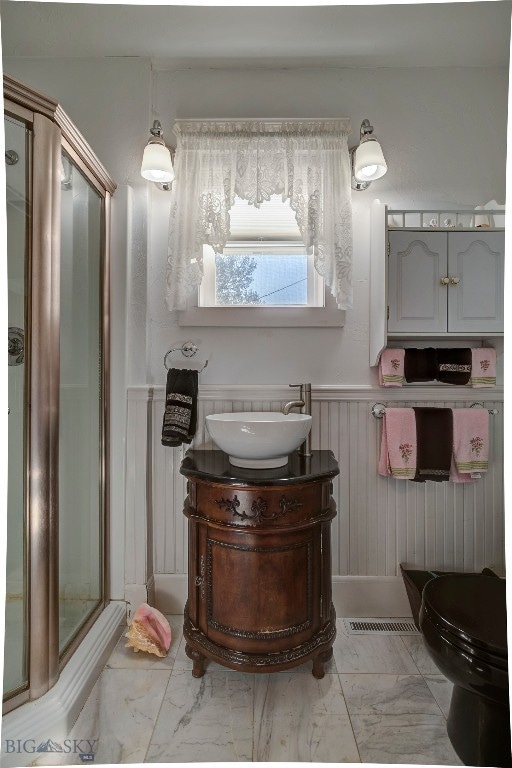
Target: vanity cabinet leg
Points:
(319, 662)
(198, 659)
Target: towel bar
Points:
(379, 409)
(189, 349)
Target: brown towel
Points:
(180, 414)
(434, 436)
(420, 364)
(454, 365)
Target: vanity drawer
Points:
(263, 507)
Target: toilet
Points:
(464, 624)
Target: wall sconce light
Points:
(367, 159)
(156, 161)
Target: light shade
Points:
(157, 163)
(369, 163)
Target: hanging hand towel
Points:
(420, 364)
(483, 367)
(434, 435)
(454, 365)
(458, 477)
(471, 440)
(398, 444)
(391, 368)
(180, 415)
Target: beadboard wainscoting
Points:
(381, 522)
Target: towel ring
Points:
(188, 349)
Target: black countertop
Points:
(216, 467)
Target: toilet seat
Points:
(470, 612)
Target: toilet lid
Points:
(472, 607)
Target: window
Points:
(264, 277)
(264, 264)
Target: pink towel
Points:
(458, 477)
(471, 440)
(398, 446)
(483, 367)
(391, 368)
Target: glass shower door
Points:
(17, 141)
(81, 396)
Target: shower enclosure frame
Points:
(52, 132)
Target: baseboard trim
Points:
(376, 596)
(53, 715)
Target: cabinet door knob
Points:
(445, 280)
(454, 280)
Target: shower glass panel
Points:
(80, 502)
(17, 142)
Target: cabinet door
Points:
(416, 297)
(476, 261)
(262, 590)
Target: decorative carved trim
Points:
(200, 579)
(230, 504)
(288, 505)
(239, 659)
(259, 508)
(247, 634)
(233, 631)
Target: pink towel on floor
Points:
(483, 367)
(471, 440)
(391, 367)
(398, 448)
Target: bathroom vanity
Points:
(259, 580)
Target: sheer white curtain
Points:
(306, 162)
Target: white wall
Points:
(443, 131)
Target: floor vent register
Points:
(371, 626)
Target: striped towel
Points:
(180, 414)
(483, 367)
(471, 440)
(398, 448)
(391, 368)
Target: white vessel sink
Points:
(258, 440)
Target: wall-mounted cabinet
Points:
(438, 282)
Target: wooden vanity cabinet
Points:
(259, 577)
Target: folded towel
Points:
(434, 437)
(471, 440)
(180, 415)
(454, 365)
(391, 368)
(398, 444)
(483, 367)
(420, 364)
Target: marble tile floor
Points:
(382, 700)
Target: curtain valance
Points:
(306, 161)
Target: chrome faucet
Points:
(305, 405)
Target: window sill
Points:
(254, 317)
